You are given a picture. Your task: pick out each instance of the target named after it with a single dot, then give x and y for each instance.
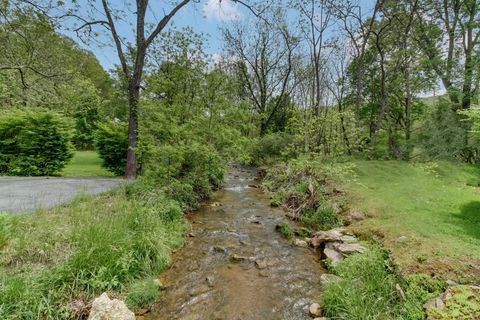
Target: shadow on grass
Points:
(469, 218)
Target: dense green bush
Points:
(85, 126)
(272, 145)
(111, 142)
(193, 171)
(34, 143)
(448, 135)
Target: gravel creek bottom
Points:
(235, 265)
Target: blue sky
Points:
(204, 17)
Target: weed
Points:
(303, 232)
(321, 218)
(285, 230)
(142, 293)
(368, 289)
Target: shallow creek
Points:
(236, 266)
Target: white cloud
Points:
(220, 10)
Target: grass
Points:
(424, 228)
(85, 164)
(428, 215)
(54, 262)
(285, 230)
(368, 291)
(142, 293)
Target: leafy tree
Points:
(38, 66)
(132, 57)
(265, 56)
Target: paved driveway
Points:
(26, 194)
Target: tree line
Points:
(330, 77)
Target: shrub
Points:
(111, 142)
(321, 218)
(272, 145)
(85, 126)
(34, 143)
(202, 168)
(447, 135)
(192, 171)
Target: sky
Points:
(206, 17)
(203, 16)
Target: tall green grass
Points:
(51, 259)
(368, 290)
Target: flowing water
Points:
(236, 266)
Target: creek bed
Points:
(236, 266)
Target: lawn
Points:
(85, 164)
(428, 215)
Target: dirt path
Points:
(27, 194)
(237, 266)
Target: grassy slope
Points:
(69, 254)
(84, 164)
(429, 216)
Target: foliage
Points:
(464, 304)
(474, 115)
(272, 145)
(285, 230)
(418, 288)
(320, 135)
(321, 218)
(189, 103)
(84, 104)
(444, 135)
(305, 186)
(193, 169)
(34, 143)
(368, 290)
(40, 66)
(85, 125)
(111, 144)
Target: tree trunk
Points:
(344, 130)
(133, 99)
(468, 79)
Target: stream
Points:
(235, 265)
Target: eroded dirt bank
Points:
(236, 266)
